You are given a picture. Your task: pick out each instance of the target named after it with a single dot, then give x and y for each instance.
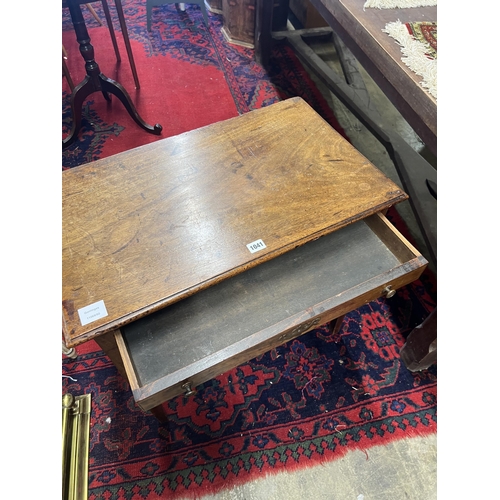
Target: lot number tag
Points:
(256, 245)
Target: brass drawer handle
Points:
(389, 292)
(187, 388)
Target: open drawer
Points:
(183, 345)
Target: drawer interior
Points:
(270, 297)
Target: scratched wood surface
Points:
(147, 227)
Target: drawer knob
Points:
(187, 388)
(389, 292)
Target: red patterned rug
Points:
(312, 399)
(189, 77)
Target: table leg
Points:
(108, 344)
(67, 74)
(107, 15)
(126, 39)
(338, 323)
(94, 13)
(95, 81)
(420, 349)
(70, 352)
(263, 30)
(159, 413)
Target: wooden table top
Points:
(365, 27)
(150, 226)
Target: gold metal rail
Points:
(75, 446)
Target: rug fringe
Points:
(231, 481)
(398, 4)
(414, 56)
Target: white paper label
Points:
(93, 312)
(256, 245)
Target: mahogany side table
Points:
(185, 257)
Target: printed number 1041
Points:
(256, 245)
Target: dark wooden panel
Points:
(214, 5)
(152, 225)
(305, 12)
(420, 349)
(239, 21)
(280, 14)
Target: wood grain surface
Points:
(147, 227)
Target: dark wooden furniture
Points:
(306, 14)
(95, 81)
(357, 36)
(155, 3)
(379, 54)
(358, 33)
(214, 6)
(226, 228)
(420, 349)
(239, 19)
(123, 26)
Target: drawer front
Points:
(154, 391)
(186, 380)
